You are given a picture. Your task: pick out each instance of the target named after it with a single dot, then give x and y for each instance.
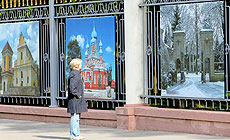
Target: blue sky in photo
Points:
(81, 29)
(11, 32)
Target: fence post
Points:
(53, 55)
(134, 51)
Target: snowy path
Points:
(193, 87)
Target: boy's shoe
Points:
(78, 138)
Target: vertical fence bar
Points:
(45, 68)
(48, 55)
(61, 46)
(226, 49)
(15, 3)
(158, 52)
(3, 3)
(47, 62)
(150, 28)
(53, 54)
(7, 4)
(64, 86)
(228, 42)
(120, 39)
(145, 71)
(227, 104)
(19, 3)
(155, 48)
(59, 69)
(149, 53)
(44, 62)
(10, 3)
(42, 58)
(117, 57)
(123, 57)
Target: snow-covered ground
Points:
(193, 87)
(104, 94)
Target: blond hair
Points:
(75, 63)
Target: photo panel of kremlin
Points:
(93, 40)
(19, 59)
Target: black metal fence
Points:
(152, 66)
(29, 11)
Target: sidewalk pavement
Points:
(27, 130)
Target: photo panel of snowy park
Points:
(93, 41)
(192, 50)
(19, 59)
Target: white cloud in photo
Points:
(29, 31)
(73, 37)
(81, 41)
(8, 31)
(109, 49)
(11, 33)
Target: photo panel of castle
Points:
(19, 59)
(93, 40)
(192, 50)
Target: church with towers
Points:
(94, 70)
(24, 73)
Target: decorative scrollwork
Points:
(62, 57)
(123, 56)
(227, 49)
(27, 13)
(149, 50)
(163, 1)
(86, 8)
(46, 57)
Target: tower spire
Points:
(21, 40)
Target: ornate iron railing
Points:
(153, 92)
(93, 9)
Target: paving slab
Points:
(28, 130)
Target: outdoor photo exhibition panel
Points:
(20, 59)
(25, 65)
(187, 52)
(93, 41)
(94, 32)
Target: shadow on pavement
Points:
(52, 137)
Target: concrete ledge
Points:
(59, 115)
(185, 114)
(180, 120)
(131, 118)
